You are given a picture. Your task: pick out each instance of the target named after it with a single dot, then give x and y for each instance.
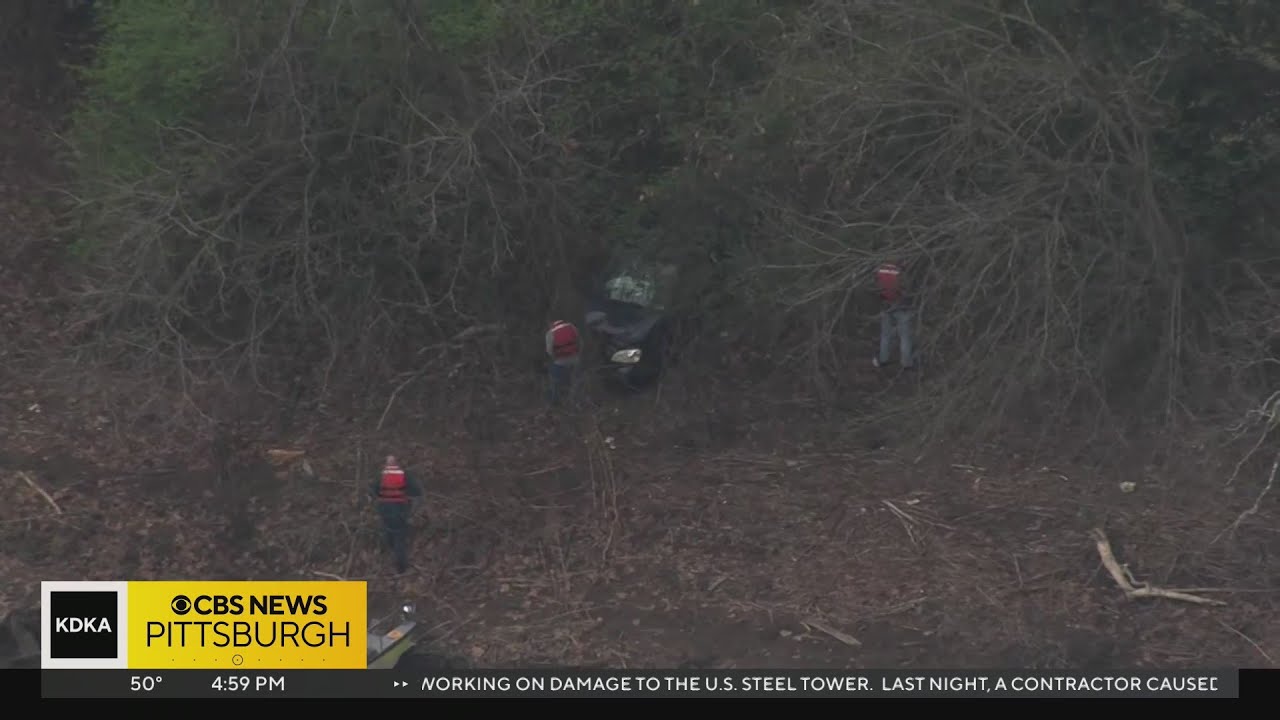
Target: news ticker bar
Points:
(637, 684)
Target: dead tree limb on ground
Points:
(822, 626)
(48, 498)
(1133, 589)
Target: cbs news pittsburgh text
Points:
(204, 625)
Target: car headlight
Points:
(627, 357)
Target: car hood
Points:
(624, 322)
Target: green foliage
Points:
(459, 26)
(157, 66)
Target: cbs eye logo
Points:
(207, 605)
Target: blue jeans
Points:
(899, 320)
(560, 382)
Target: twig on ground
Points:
(359, 469)
(1249, 640)
(814, 623)
(906, 520)
(329, 575)
(351, 551)
(280, 457)
(1257, 502)
(476, 330)
(1275, 590)
(33, 518)
(1269, 414)
(546, 470)
(32, 483)
(895, 609)
(1130, 587)
(604, 485)
(391, 400)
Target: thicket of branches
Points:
(1019, 179)
(1083, 193)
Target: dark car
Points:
(391, 637)
(395, 643)
(628, 320)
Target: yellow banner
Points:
(247, 625)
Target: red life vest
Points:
(564, 339)
(888, 280)
(394, 486)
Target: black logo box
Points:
(76, 624)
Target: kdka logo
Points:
(84, 624)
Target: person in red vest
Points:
(564, 346)
(394, 493)
(895, 316)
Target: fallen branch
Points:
(1133, 589)
(476, 330)
(821, 626)
(904, 518)
(1257, 502)
(1250, 640)
(32, 483)
(454, 342)
(351, 551)
(546, 470)
(391, 400)
(280, 457)
(443, 347)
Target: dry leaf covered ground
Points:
(620, 535)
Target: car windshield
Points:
(627, 288)
(640, 283)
